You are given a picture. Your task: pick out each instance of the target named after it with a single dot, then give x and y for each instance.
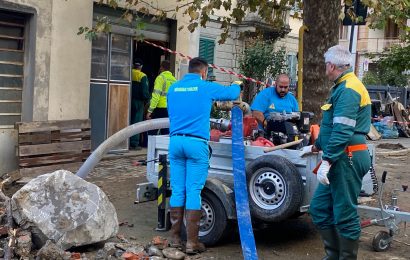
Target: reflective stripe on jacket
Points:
(159, 94)
(347, 112)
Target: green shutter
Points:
(206, 51)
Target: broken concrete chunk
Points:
(135, 249)
(154, 251)
(173, 253)
(101, 255)
(156, 258)
(24, 244)
(109, 248)
(66, 209)
(52, 251)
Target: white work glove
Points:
(322, 172)
(306, 150)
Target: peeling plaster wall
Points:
(70, 61)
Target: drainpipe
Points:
(302, 30)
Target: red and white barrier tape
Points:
(210, 65)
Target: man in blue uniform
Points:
(189, 107)
(345, 159)
(274, 99)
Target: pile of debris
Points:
(390, 119)
(58, 208)
(61, 216)
(156, 250)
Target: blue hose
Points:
(241, 192)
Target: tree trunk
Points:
(321, 18)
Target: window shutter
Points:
(11, 67)
(206, 51)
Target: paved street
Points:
(293, 239)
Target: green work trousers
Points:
(137, 115)
(335, 205)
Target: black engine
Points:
(284, 128)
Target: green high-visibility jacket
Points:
(159, 94)
(347, 112)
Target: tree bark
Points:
(321, 18)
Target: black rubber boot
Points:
(330, 240)
(348, 248)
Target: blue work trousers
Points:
(189, 162)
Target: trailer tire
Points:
(381, 241)
(214, 224)
(275, 188)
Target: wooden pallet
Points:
(44, 147)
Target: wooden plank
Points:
(52, 159)
(46, 137)
(32, 172)
(42, 126)
(38, 149)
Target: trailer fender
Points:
(224, 193)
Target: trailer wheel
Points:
(275, 188)
(214, 224)
(381, 241)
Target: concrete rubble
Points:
(65, 209)
(63, 212)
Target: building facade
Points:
(48, 72)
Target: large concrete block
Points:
(65, 209)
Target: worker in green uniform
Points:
(345, 160)
(158, 104)
(139, 95)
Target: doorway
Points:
(151, 57)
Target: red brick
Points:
(129, 256)
(75, 256)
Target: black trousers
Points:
(159, 113)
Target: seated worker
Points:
(274, 99)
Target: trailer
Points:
(280, 185)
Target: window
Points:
(99, 57)
(11, 67)
(391, 30)
(207, 51)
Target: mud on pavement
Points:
(292, 239)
